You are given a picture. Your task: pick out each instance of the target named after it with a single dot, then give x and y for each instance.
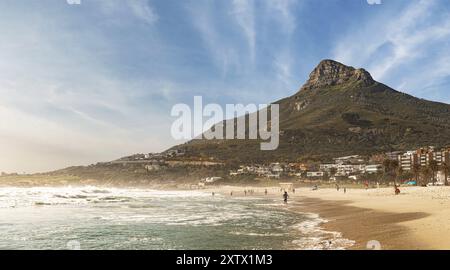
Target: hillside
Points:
(340, 111)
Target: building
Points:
(315, 174)
(211, 180)
(407, 160)
(276, 168)
(273, 175)
(393, 155)
(300, 166)
(174, 153)
(355, 159)
(346, 170)
(423, 157)
(153, 167)
(327, 167)
(440, 177)
(441, 156)
(375, 168)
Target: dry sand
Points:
(418, 218)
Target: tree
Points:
(386, 168)
(445, 167)
(387, 165)
(425, 172)
(391, 169)
(394, 168)
(399, 173)
(333, 171)
(416, 172)
(434, 167)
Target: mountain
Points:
(339, 111)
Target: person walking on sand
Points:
(213, 194)
(345, 190)
(285, 197)
(293, 190)
(245, 192)
(231, 193)
(265, 192)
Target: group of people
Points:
(338, 187)
(250, 192)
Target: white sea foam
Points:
(315, 237)
(26, 197)
(61, 210)
(258, 234)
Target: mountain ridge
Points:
(340, 110)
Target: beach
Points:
(142, 218)
(417, 218)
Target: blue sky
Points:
(96, 81)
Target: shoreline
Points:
(417, 219)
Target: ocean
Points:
(94, 218)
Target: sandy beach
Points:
(418, 218)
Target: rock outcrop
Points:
(330, 72)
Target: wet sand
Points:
(418, 218)
(364, 225)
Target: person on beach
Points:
(265, 192)
(213, 194)
(245, 192)
(345, 190)
(337, 187)
(231, 193)
(285, 196)
(293, 190)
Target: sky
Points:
(95, 81)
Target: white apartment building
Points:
(328, 167)
(375, 168)
(315, 174)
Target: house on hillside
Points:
(315, 175)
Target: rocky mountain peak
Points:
(330, 72)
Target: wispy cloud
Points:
(387, 45)
(140, 9)
(244, 14)
(281, 10)
(221, 49)
(143, 10)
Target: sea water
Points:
(116, 218)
